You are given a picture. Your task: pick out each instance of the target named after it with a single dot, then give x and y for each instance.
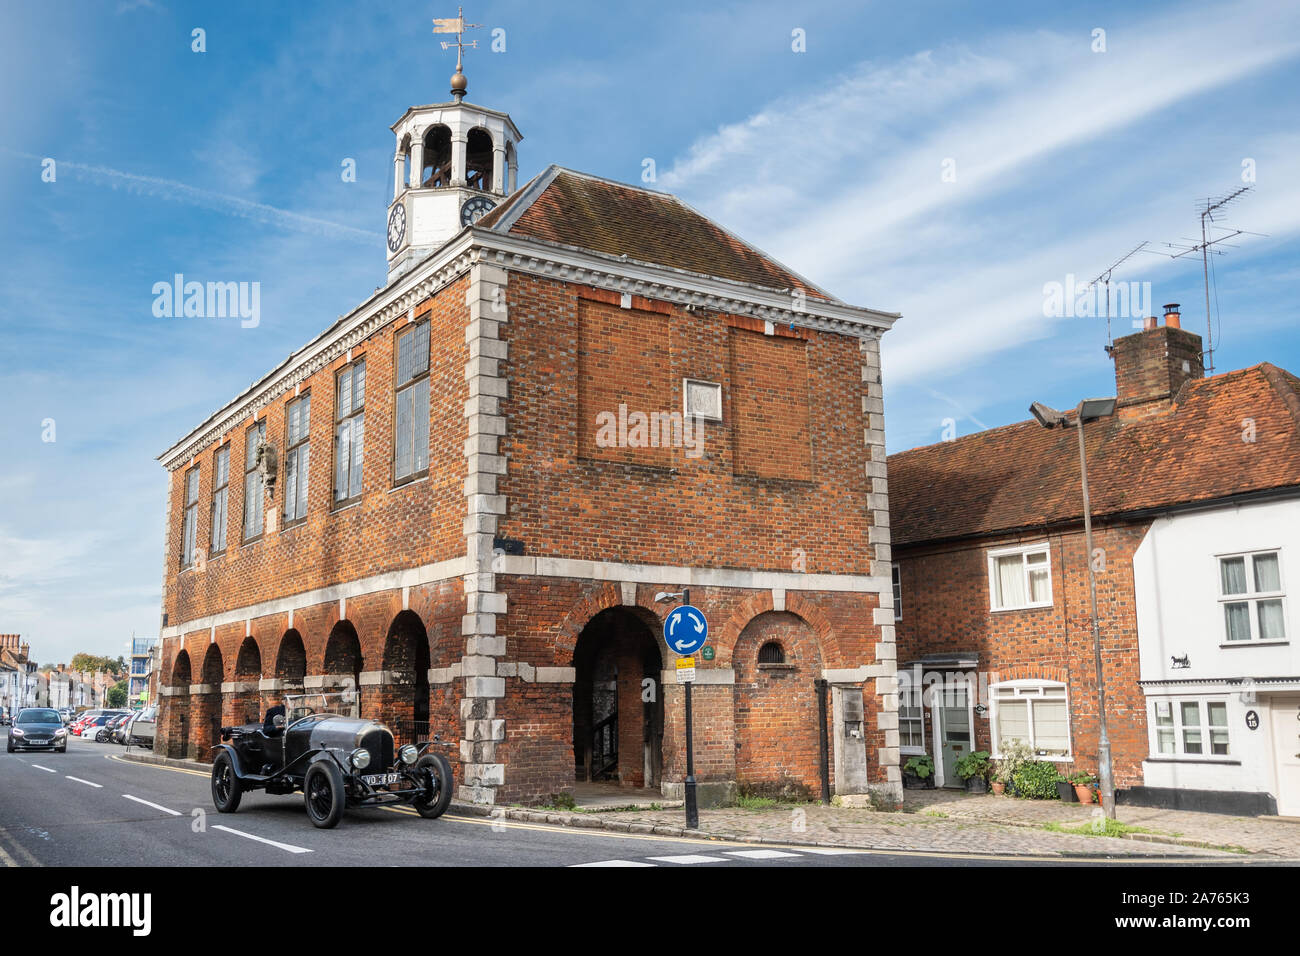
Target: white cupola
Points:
(454, 162)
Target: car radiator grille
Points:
(380, 745)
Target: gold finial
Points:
(457, 25)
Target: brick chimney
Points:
(1151, 365)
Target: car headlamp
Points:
(60, 732)
(360, 758)
(408, 753)
(17, 732)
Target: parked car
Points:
(118, 735)
(337, 762)
(105, 734)
(140, 728)
(91, 728)
(38, 728)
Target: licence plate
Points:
(381, 779)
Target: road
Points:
(92, 807)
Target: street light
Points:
(1089, 409)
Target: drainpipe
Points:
(823, 746)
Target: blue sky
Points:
(225, 165)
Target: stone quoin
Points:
(416, 505)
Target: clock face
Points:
(475, 209)
(396, 227)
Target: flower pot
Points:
(1084, 793)
(912, 782)
(977, 784)
(998, 787)
(1065, 790)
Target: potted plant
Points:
(974, 769)
(918, 773)
(1015, 754)
(1082, 782)
(1065, 790)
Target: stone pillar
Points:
(481, 772)
(417, 162)
(848, 738)
(240, 702)
(458, 144)
(886, 688)
(498, 169)
(205, 720)
(398, 162)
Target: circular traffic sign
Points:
(686, 629)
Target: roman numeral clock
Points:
(455, 162)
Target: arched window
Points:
(771, 653)
(436, 169)
(479, 159)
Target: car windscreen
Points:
(35, 716)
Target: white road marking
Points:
(829, 850)
(688, 859)
(249, 836)
(760, 854)
(46, 769)
(98, 786)
(613, 863)
(175, 813)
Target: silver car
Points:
(140, 728)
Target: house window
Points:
(253, 482)
(189, 528)
(1034, 712)
(220, 487)
(349, 432)
(771, 653)
(911, 721)
(297, 458)
(1020, 578)
(411, 431)
(1191, 728)
(898, 593)
(1250, 590)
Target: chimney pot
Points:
(1173, 318)
(1149, 323)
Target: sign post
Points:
(685, 631)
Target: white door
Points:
(1286, 749)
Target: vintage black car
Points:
(337, 761)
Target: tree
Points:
(94, 662)
(117, 694)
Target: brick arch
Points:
(597, 600)
(1030, 672)
(214, 669)
(291, 657)
(761, 603)
(343, 657)
(180, 668)
(248, 662)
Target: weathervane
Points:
(457, 25)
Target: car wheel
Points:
(324, 794)
(61, 750)
(10, 744)
(438, 768)
(226, 788)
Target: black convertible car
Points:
(337, 762)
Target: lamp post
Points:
(1089, 409)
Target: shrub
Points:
(974, 764)
(1015, 755)
(922, 765)
(1036, 780)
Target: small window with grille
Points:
(771, 653)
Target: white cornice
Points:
(534, 257)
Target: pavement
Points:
(93, 806)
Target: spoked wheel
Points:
(438, 769)
(324, 794)
(226, 788)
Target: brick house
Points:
(991, 582)
(462, 498)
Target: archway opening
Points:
(244, 705)
(618, 708)
(177, 724)
(406, 662)
(436, 165)
(342, 668)
(479, 159)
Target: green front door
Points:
(954, 732)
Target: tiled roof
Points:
(586, 212)
(1025, 476)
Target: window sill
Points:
(407, 482)
(772, 666)
(345, 505)
(250, 542)
(1065, 759)
(911, 751)
(1165, 758)
(1022, 607)
(1274, 643)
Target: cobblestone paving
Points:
(1262, 835)
(813, 823)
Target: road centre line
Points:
(156, 806)
(89, 783)
(46, 769)
(249, 836)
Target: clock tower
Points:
(455, 161)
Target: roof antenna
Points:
(1105, 277)
(457, 25)
(1209, 207)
